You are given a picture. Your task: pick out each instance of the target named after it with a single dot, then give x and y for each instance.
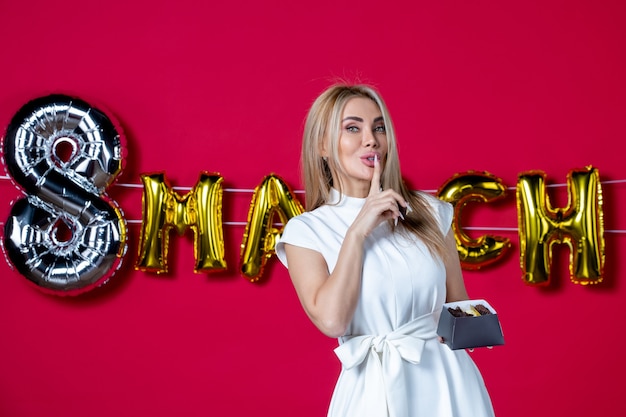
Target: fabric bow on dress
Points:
(383, 356)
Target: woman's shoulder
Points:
(442, 210)
(309, 217)
(432, 200)
(306, 230)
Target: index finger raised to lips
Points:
(375, 184)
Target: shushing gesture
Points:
(380, 205)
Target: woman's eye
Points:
(352, 129)
(380, 129)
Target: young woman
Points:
(372, 263)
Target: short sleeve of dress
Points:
(444, 212)
(297, 232)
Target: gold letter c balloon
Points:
(459, 191)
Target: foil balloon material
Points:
(579, 225)
(273, 196)
(460, 190)
(65, 236)
(199, 210)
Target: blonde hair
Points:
(323, 123)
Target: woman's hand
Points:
(380, 205)
(330, 299)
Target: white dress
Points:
(392, 363)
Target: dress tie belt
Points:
(385, 387)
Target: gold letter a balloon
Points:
(272, 197)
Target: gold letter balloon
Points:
(272, 196)
(199, 210)
(66, 236)
(579, 226)
(460, 190)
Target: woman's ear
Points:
(323, 149)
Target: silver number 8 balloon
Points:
(66, 236)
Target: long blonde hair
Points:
(323, 123)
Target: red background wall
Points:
(503, 87)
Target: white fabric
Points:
(392, 363)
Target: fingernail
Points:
(395, 221)
(402, 211)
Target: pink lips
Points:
(368, 159)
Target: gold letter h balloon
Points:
(579, 225)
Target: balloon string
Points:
(478, 228)
(251, 190)
(228, 190)
(246, 190)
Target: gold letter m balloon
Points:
(579, 225)
(164, 209)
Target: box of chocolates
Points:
(469, 324)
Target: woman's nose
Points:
(369, 139)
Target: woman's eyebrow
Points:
(359, 119)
